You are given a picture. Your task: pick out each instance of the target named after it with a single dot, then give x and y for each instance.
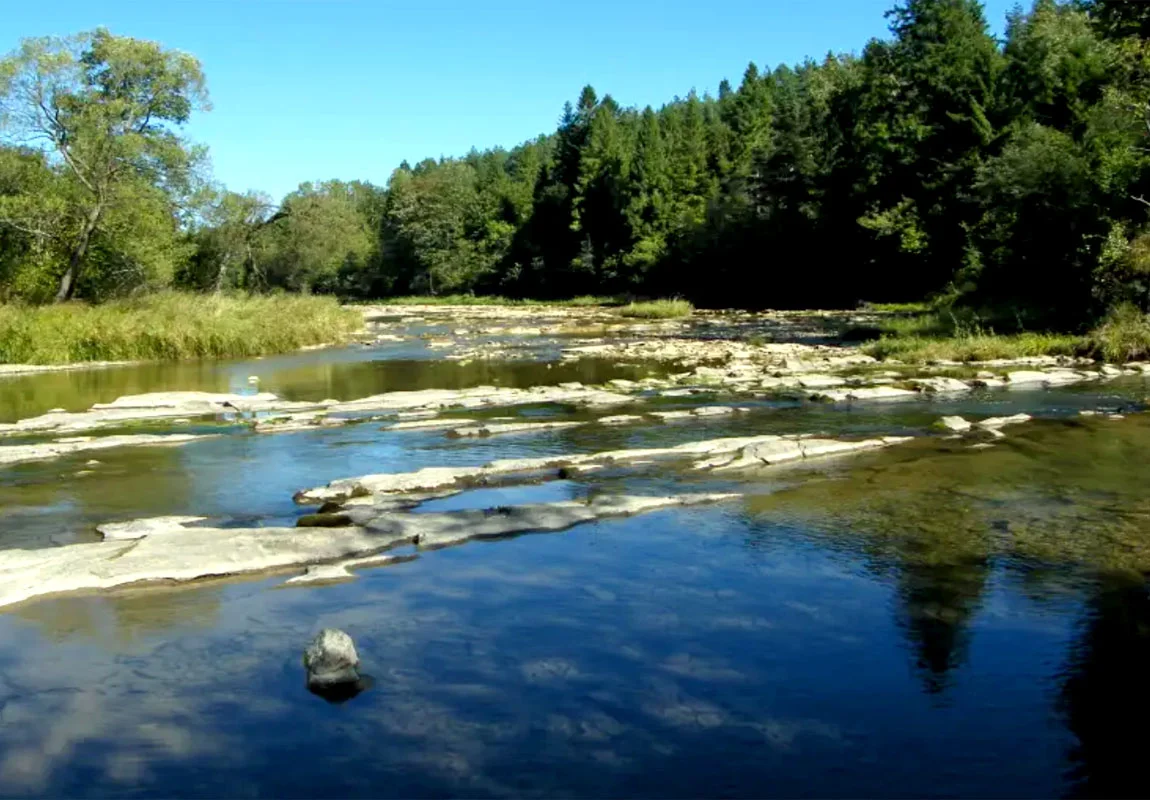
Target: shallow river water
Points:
(932, 620)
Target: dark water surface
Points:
(927, 621)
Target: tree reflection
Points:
(938, 604)
(1106, 692)
(937, 515)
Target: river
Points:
(932, 619)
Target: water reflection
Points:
(346, 374)
(937, 605)
(1105, 694)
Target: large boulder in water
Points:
(331, 661)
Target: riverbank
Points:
(170, 326)
(932, 336)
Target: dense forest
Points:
(938, 162)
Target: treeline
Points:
(940, 162)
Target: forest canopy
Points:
(936, 163)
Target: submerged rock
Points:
(22, 453)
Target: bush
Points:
(1123, 336)
(170, 325)
(658, 309)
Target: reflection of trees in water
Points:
(936, 515)
(49, 503)
(1106, 693)
(78, 390)
(350, 380)
(938, 605)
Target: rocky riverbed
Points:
(733, 500)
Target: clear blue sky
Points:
(310, 89)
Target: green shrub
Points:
(1123, 336)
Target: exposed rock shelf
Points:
(170, 551)
(706, 455)
(22, 453)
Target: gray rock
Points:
(331, 658)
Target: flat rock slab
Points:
(180, 553)
(139, 528)
(23, 453)
(866, 393)
(709, 453)
(144, 407)
(498, 428)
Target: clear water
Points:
(926, 621)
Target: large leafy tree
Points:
(105, 112)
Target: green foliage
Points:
(1124, 335)
(101, 113)
(658, 309)
(936, 163)
(170, 325)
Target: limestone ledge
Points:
(172, 551)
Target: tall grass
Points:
(1124, 335)
(495, 300)
(961, 336)
(658, 309)
(975, 347)
(170, 325)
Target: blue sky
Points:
(309, 90)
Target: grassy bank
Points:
(493, 300)
(170, 326)
(658, 309)
(915, 338)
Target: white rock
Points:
(820, 381)
(712, 411)
(942, 385)
(994, 423)
(618, 419)
(867, 393)
(139, 528)
(956, 424)
(321, 573)
(497, 428)
(1026, 378)
(667, 416)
